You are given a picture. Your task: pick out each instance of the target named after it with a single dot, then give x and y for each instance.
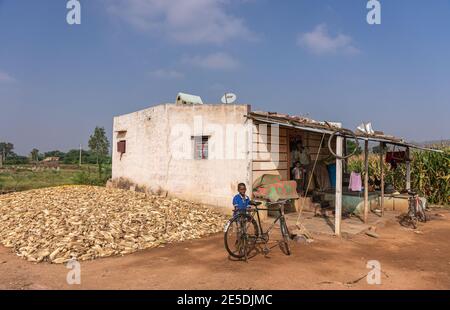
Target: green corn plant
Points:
(430, 174)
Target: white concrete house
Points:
(200, 152)
(179, 148)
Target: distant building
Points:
(51, 162)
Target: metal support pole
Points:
(366, 180)
(408, 170)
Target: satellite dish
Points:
(229, 98)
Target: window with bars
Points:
(200, 147)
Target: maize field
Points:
(430, 174)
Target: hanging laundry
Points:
(398, 157)
(355, 183)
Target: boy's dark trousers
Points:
(299, 185)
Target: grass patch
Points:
(14, 178)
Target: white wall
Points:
(152, 158)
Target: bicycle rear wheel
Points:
(240, 236)
(421, 215)
(284, 243)
(408, 221)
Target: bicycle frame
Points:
(261, 232)
(413, 204)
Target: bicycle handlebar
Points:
(412, 193)
(254, 204)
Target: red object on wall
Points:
(122, 146)
(399, 157)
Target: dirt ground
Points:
(409, 260)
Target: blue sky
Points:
(310, 57)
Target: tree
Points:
(351, 145)
(34, 155)
(73, 157)
(376, 149)
(14, 159)
(99, 145)
(6, 149)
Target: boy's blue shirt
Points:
(241, 203)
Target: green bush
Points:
(17, 160)
(73, 157)
(91, 177)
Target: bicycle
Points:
(242, 232)
(416, 212)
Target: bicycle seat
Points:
(255, 203)
(279, 202)
(412, 193)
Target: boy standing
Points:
(241, 201)
(297, 173)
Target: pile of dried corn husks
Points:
(86, 222)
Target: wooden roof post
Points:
(382, 177)
(338, 203)
(366, 180)
(345, 163)
(408, 169)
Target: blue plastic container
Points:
(332, 173)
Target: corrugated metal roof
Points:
(292, 125)
(311, 125)
(293, 120)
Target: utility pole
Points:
(79, 164)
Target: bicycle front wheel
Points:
(240, 236)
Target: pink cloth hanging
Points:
(355, 184)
